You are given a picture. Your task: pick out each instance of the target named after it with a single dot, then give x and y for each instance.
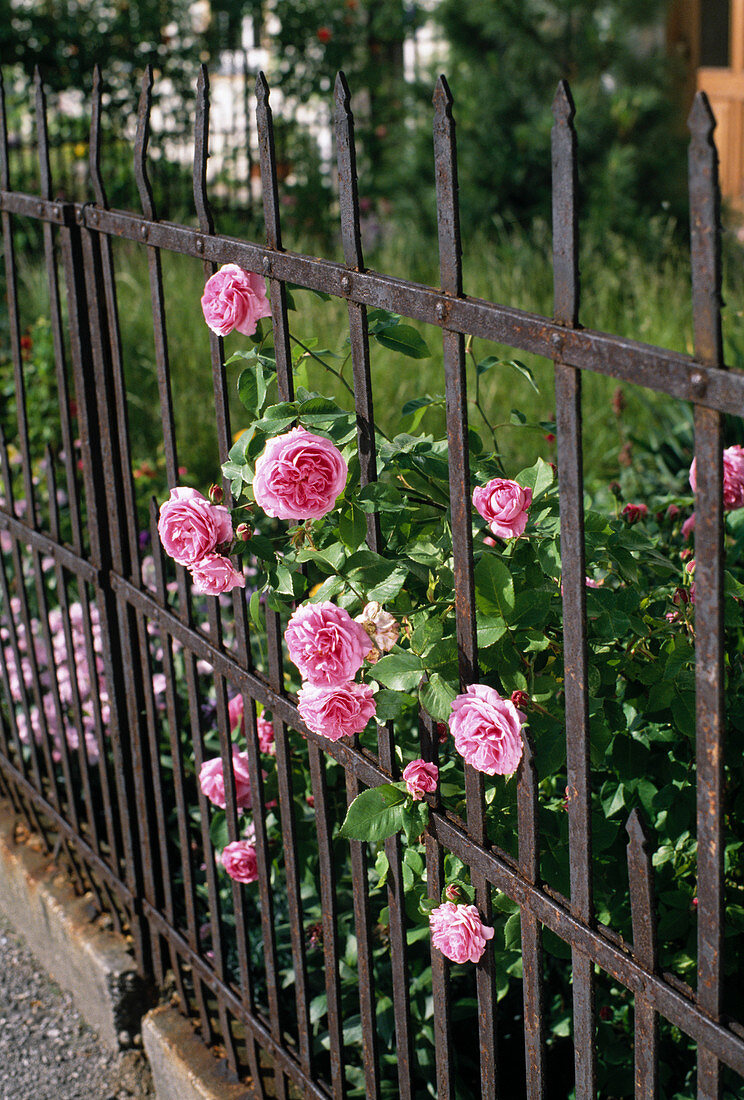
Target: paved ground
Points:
(47, 1051)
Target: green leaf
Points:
(436, 697)
(404, 339)
(252, 387)
(538, 478)
(218, 833)
(328, 589)
(512, 932)
(388, 588)
(375, 814)
(254, 609)
(400, 671)
(389, 704)
(352, 527)
(415, 819)
(494, 587)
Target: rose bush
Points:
(297, 471)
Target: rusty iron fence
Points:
(114, 824)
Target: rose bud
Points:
(520, 698)
(244, 531)
(216, 494)
(452, 892)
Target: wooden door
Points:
(709, 36)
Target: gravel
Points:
(47, 1051)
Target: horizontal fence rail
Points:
(110, 787)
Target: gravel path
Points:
(47, 1051)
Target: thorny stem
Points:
(323, 363)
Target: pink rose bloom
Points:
(634, 512)
(299, 476)
(239, 860)
(420, 778)
(381, 626)
(190, 527)
(215, 574)
(212, 781)
(458, 932)
(688, 526)
(487, 730)
(335, 712)
(504, 505)
(234, 299)
(265, 735)
(326, 644)
(733, 477)
(235, 714)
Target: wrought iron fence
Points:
(124, 805)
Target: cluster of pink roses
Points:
(239, 857)
(329, 647)
(192, 530)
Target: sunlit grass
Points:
(622, 291)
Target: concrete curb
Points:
(94, 965)
(182, 1066)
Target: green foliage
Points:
(505, 63)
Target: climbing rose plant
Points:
(372, 637)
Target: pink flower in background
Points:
(487, 730)
(190, 527)
(634, 512)
(420, 778)
(265, 735)
(335, 712)
(326, 644)
(212, 781)
(234, 299)
(458, 932)
(733, 477)
(504, 505)
(299, 476)
(382, 627)
(688, 526)
(235, 714)
(215, 574)
(239, 860)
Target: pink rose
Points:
(634, 512)
(458, 932)
(239, 860)
(265, 735)
(234, 299)
(335, 712)
(381, 626)
(733, 477)
(215, 574)
(688, 526)
(504, 505)
(212, 781)
(190, 527)
(299, 476)
(487, 730)
(420, 778)
(326, 644)
(235, 714)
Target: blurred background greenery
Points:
(503, 61)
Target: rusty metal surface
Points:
(155, 883)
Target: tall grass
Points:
(634, 292)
